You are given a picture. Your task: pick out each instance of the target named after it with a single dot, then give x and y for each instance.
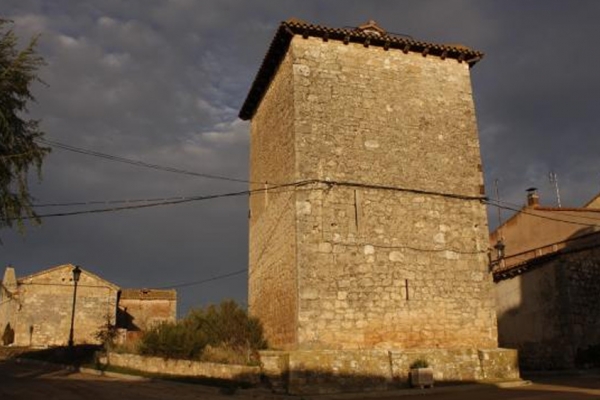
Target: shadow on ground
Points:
(75, 356)
(27, 380)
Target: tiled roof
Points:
(592, 200)
(576, 209)
(367, 34)
(148, 294)
(572, 245)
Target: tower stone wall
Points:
(382, 242)
(273, 268)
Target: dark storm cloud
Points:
(536, 99)
(162, 82)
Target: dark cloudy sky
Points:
(162, 82)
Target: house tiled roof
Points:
(148, 294)
(593, 200)
(561, 209)
(369, 34)
(549, 252)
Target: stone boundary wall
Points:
(333, 371)
(550, 313)
(159, 365)
(303, 372)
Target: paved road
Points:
(26, 381)
(33, 381)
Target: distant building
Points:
(38, 307)
(140, 309)
(36, 310)
(548, 284)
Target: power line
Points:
(179, 200)
(96, 202)
(563, 211)
(401, 189)
(138, 163)
(127, 201)
(541, 216)
(161, 203)
(212, 279)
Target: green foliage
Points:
(223, 333)
(18, 149)
(173, 340)
(419, 363)
(230, 325)
(107, 333)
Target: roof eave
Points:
(287, 30)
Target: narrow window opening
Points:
(357, 209)
(266, 188)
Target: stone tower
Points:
(367, 228)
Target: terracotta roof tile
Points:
(577, 209)
(369, 34)
(148, 294)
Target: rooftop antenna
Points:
(554, 180)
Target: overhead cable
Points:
(138, 163)
(162, 203)
(214, 278)
(276, 188)
(561, 211)
(492, 203)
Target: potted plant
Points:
(421, 375)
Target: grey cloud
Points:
(162, 82)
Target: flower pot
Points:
(421, 377)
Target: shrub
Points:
(173, 340)
(107, 333)
(419, 363)
(223, 333)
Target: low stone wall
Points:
(333, 371)
(159, 365)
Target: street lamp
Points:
(500, 246)
(500, 253)
(76, 274)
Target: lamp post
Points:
(76, 275)
(499, 247)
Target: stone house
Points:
(36, 310)
(140, 309)
(548, 284)
(367, 230)
(38, 307)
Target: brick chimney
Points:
(533, 199)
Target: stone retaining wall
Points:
(159, 365)
(334, 371)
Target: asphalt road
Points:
(33, 381)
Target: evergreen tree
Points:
(18, 148)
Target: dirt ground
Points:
(34, 381)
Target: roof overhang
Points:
(367, 37)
